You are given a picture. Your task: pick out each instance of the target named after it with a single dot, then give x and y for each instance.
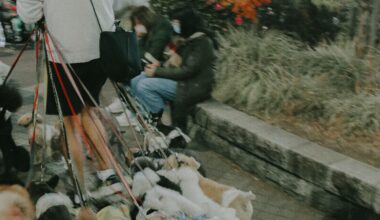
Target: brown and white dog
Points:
(224, 195)
(53, 136)
(49, 204)
(188, 180)
(15, 203)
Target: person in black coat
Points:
(189, 83)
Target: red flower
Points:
(239, 20)
(218, 7)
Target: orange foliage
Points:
(244, 8)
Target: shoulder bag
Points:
(119, 53)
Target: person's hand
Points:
(150, 70)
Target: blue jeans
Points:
(152, 92)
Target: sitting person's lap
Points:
(153, 92)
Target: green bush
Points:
(216, 20)
(274, 74)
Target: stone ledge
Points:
(311, 164)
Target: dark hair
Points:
(144, 15)
(191, 22)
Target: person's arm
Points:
(189, 68)
(30, 11)
(161, 38)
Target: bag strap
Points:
(96, 15)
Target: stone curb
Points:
(311, 166)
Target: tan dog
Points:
(178, 159)
(174, 59)
(86, 214)
(53, 137)
(224, 195)
(229, 197)
(15, 203)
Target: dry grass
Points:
(274, 75)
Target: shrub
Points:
(274, 74)
(219, 14)
(302, 19)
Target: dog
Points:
(113, 212)
(15, 203)
(12, 158)
(228, 196)
(224, 195)
(174, 137)
(174, 59)
(147, 179)
(171, 202)
(177, 160)
(188, 180)
(49, 204)
(142, 162)
(53, 138)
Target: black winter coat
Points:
(195, 76)
(157, 38)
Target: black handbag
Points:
(119, 53)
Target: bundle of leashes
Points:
(44, 45)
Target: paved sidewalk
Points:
(271, 203)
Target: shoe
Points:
(123, 120)
(116, 106)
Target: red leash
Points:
(74, 114)
(117, 168)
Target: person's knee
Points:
(135, 81)
(145, 86)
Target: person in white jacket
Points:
(73, 25)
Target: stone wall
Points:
(324, 178)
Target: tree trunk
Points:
(362, 34)
(374, 23)
(353, 22)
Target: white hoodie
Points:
(72, 23)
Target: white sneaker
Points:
(115, 107)
(123, 120)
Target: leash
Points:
(115, 130)
(66, 95)
(34, 113)
(68, 66)
(68, 157)
(122, 98)
(18, 57)
(117, 168)
(128, 98)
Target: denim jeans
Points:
(153, 92)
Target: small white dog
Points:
(177, 160)
(171, 202)
(188, 179)
(53, 136)
(224, 195)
